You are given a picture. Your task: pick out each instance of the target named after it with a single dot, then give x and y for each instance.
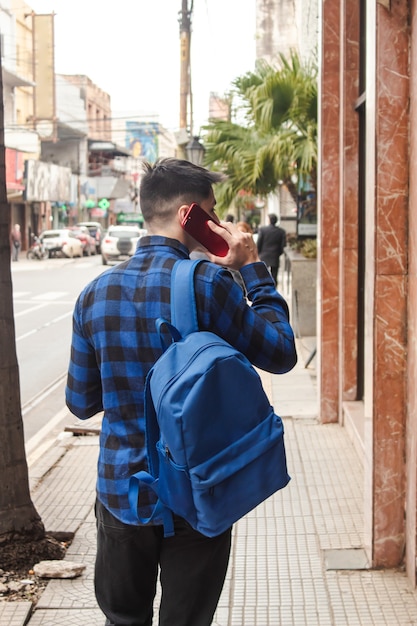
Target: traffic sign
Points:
(104, 204)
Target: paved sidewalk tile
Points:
(65, 495)
(14, 613)
(292, 557)
(78, 592)
(38, 467)
(65, 499)
(277, 574)
(67, 617)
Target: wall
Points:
(285, 25)
(97, 106)
(69, 105)
(386, 279)
(24, 63)
(328, 214)
(411, 430)
(379, 419)
(276, 29)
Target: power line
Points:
(127, 118)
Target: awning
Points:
(124, 205)
(69, 130)
(110, 149)
(110, 186)
(14, 80)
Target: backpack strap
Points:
(160, 511)
(184, 316)
(183, 303)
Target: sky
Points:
(131, 50)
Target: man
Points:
(16, 242)
(271, 243)
(114, 345)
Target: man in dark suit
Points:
(271, 243)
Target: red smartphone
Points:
(195, 223)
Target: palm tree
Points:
(277, 139)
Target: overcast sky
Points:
(131, 49)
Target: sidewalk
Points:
(297, 560)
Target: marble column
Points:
(386, 277)
(411, 426)
(328, 202)
(349, 200)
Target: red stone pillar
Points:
(411, 429)
(386, 280)
(349, 198)
(328, 205)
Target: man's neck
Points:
(173, 231)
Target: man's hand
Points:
(242, 247)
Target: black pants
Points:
(193, 568)
(274, 273)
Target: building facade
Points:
(61, 163)
(367, 305)
(283, 26)
(367, 239)
(97, 107)
(21, 140)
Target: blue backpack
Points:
(215, 446)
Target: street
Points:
(44, 294)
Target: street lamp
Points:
(195, 151)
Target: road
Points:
(44, 294)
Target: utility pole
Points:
(185, 81)
(189, 146)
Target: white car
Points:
(62, 241)
(119, 243)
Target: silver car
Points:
(119, 243)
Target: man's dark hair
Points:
(272, 219)
(171, 182)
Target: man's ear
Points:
(182, 211)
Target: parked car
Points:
(96, 231)
(88, 242)
(61, 241)
(119, 243)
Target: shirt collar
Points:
(156, 241)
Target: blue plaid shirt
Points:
(115, 343)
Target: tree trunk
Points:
(18, 516)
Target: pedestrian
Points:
(115, 343)
(244, 227)
(16, 242)
(271, 243)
